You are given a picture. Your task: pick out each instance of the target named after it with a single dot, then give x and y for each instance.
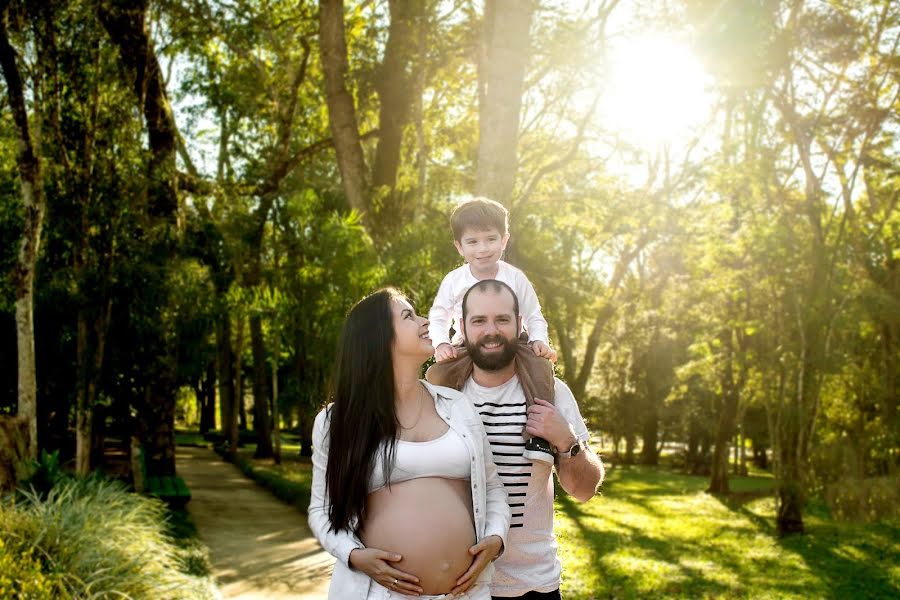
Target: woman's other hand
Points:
(484, 552)
(377, 565)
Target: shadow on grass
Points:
(694, 581)
(851, 560)
(716, 547)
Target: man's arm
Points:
(580, 475)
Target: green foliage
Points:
(864, 500)
(45, 474)
(658, 270)
(22, 575)
(86, 551)
(290, 481)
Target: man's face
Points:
(491, 330)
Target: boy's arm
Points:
(440, 314)
(530, 309)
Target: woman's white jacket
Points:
(489, 502)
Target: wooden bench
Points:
(171, 489)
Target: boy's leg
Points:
(536, 376)
(451, 373)
(535, 373)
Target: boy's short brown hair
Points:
(479, 213)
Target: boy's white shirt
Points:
(447, 307)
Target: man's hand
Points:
(546, 422)
(444, 351)
(377, 565)
(484, 552)
(543, 350)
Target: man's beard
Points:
(493, 361)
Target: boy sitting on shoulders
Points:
(480, 233)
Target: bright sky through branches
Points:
(656, 92)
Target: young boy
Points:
(480, 233)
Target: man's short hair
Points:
(492, 285)
(479, 213)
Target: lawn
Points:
(655, 533)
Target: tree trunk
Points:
(261, 422)
(718, 483)
(629, 449)
(889, 354)
(735, 456)
(506, 49)
(239, 375)
(650, 434)
(84, 413)
(158, 422)
(34, 203)
(125, 23)
(396, 88)
(276, 414)
(89, 357)
(13, 452)
(790, 492)
(341, 111)
(225, 375)
(207, 399)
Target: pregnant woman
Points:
(405, 493)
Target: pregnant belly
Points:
(428, 521)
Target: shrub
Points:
(99, 540)
(864, 500)
(45, 474)
(22, 576)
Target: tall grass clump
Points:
(94, 539)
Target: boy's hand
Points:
(444, 352)
(544, 351)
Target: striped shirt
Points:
(529, 561)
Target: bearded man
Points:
(529, 568)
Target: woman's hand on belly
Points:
(484, 552)
(377, 565)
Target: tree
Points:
(371, 192)
(125, 23)
(34, 205)
(506, 41)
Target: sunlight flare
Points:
(657, 91)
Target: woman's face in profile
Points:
(410, 331)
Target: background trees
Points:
(223, 180)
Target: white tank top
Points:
(446, 456)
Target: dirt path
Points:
(260, 547)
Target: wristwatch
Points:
(574, 451)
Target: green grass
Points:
(189, 438)
(290, 481)
(93, 538)
(193, 554)
(657, 534)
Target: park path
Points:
(260, 547)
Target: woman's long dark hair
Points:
(362, 416)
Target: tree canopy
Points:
(194, 192)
